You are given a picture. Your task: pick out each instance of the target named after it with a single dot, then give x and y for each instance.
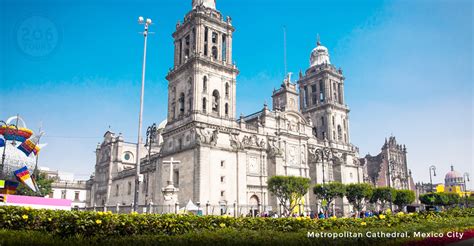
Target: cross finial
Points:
(318, 41)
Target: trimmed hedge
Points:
(230, 236)
(93, 224)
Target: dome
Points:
(319, 55)
(206, 3)
(453, 174)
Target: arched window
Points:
(227, 90)
(214, 52)
(226, 109)
(204, 105)
(215, 102)
(204, 84)
(339, 132)
(181, 103)
(322, 120)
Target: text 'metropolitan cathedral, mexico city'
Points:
(225, 160)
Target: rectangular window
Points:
(63, 194)
(224, 48)
(305, 98)
(321, 91)
(180, 50)
(206, 34)
(76, 196)
(339, 93)
(314, 95)
(117, 190)
(187, 38)
(222, 179)
(214, 37)
(222, 193)
(222, 163)
(129, 188)
(176, 178)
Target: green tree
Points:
(289, 190)
(43, 183)
(453, 199)
(428, 199)
(329, 192)
(441, 199)
(403, 198)
(358, 194)
(382, 195)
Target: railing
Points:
(234, 210)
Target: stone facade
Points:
(225, 160)
(378, 169)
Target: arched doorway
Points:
(254, 203)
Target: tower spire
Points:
(318, 41)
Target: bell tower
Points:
(202, 81)
(286, 97)
(322, 98)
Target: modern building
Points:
(66, 187)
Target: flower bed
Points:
(90, 224)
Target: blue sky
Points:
(408, 69)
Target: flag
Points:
(2, 141)
(24, 176)
(31, 145)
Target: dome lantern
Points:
(206, 3)
(319, 55)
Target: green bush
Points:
(90, 224)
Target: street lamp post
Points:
(140, 116)
(150, 140)
(465, 177)
(323, 154)
(432, 168)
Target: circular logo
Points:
(37, 36)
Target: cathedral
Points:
(206, 154)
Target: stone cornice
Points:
(329, 105)
(197, 59)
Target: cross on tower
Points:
(171, 162)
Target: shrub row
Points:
(89, 224)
